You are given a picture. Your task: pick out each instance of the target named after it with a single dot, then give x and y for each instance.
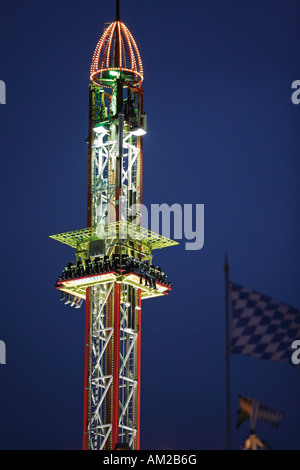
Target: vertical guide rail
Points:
(86, 371)
(86, 392)
(138, 372)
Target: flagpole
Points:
(227, 356)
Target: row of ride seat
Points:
(121, 264)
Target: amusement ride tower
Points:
(113, 270)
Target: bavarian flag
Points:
(253, 409)
(261, 327)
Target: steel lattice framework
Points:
(114, 269)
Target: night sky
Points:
(223, 132)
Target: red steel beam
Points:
(86, 369)
(116, 365)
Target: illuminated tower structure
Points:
(113, 271)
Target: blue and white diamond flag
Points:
(261, 327)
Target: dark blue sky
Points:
(223, 132)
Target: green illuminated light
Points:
(132, 231)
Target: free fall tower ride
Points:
(113, 270)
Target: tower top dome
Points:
(116, 55)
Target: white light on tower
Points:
(138, 131)
(100, 129)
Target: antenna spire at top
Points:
(117, 10)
